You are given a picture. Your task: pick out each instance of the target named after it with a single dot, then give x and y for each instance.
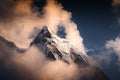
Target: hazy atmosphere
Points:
(92, 27)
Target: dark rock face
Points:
(58, 48)
(44, 33)
(11, 45)
(8, 43)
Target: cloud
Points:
(116, 2)
(105, 54)
(32, 65)
(115, 46)
(24, 20)
(56, 16)
(21, 25)
(6, 9)
(17, 20)
(102, 56)
(23, 7)
(116, 7)
(17, 23)
(108, 55)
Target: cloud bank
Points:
(22, 16)
(115, 46)
(18, 20)
(106, 54)
(33, 65)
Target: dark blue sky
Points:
(97, 22)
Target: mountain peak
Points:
(59, 48)
(56, 48)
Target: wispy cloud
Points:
(22, 20)
(17, 26)
(114, 45)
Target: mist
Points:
(18, 19)
(23, 16)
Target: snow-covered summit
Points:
(59, 48)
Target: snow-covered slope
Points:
(58, 48)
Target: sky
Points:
(95, 18)
(97, 22)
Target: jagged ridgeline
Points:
(56, 48)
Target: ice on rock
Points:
(59, 48)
